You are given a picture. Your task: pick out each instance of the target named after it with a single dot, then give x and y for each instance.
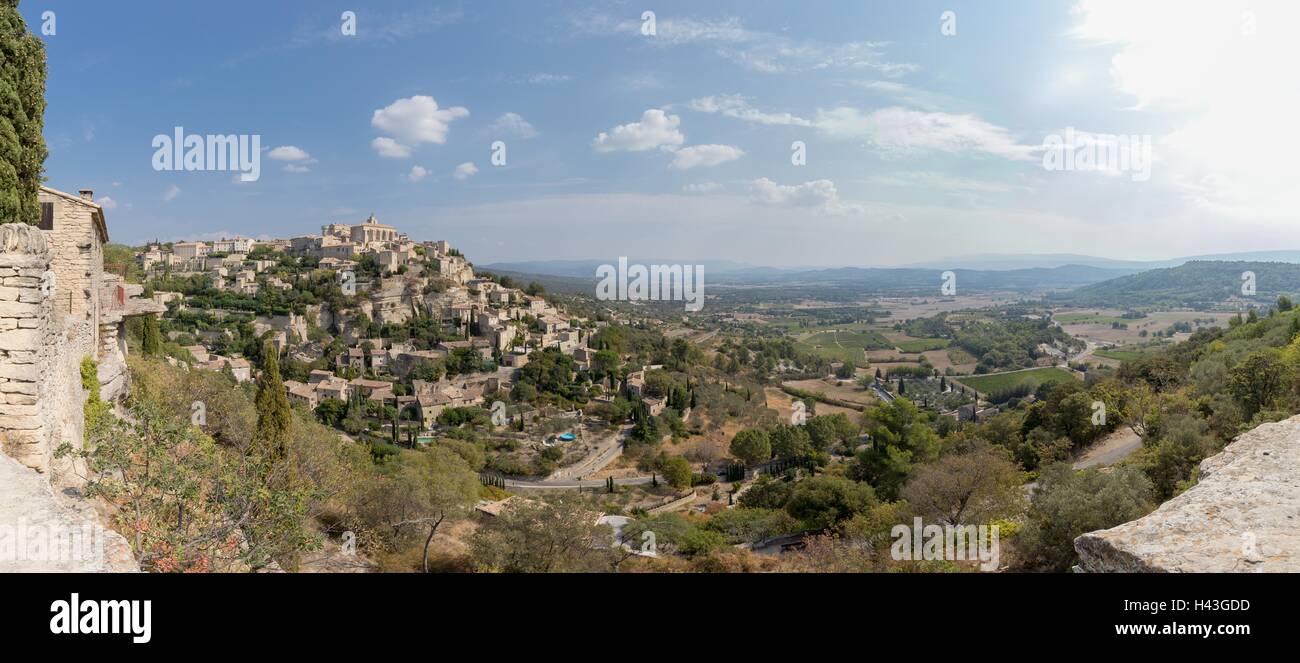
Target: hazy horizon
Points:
(922, 137)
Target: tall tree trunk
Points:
(433, 529)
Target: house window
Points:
(47, 216)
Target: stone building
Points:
(373, 232)
(57, 307)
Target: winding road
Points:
(570, 478)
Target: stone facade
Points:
(58, 308)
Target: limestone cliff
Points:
(1243, 515)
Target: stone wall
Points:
(41, 348)
(1242, 516)
(25, 325)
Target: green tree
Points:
(419, 490)
(22, 117)
(677, 471)
(273, 414)
(900, 438)
(151, 345)
(822, 502)
(752, 445)
(1069, 503)
(1258, 380)
(973, 488)
(790, 441)
(541, 537)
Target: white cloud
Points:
(705, 155)
(895, 130)
(736, 106)
(387, 147)
(655, 130)
(1224, 91)
(515, 125)
(702, 187)
(411, 122)
(939, 182)
(464, 171)
(904, 132)
(288, 153)
(296, 168)
(172, 192)
(904, 93)
(107, 202)
(417, 173)
(760, 51)
(818, 194)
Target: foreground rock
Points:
(1243, 516)
(43, 531)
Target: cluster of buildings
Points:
(501, 324)
(211, 361)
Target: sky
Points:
(820, 132)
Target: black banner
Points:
(166, 613)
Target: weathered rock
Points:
(43, 531)
(1243, 515)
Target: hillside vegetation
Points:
(1196, 284)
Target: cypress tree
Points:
(22, 117)
(152, 342)
(273, 414)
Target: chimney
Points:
(87, 194)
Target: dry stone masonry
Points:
(25, 345)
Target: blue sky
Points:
(919, 144)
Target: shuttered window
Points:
(47, 216)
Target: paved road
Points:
(574, 485)
(1085, 353)
(606, 450)
(570, 478)
(1109, 450)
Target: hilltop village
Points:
(359, 312)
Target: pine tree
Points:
(22, 117)
(273, 414)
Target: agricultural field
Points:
(1129, 353)
(904, 309)
(782, 402)
(999, 382)
(928, 393)
(922, 345)
(844, 346)
(1098, 325)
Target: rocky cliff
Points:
(1243, 515)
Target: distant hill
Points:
(1194, 284)
(920, 279)
(586, 269)
(843, 280)
(1011, 261)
